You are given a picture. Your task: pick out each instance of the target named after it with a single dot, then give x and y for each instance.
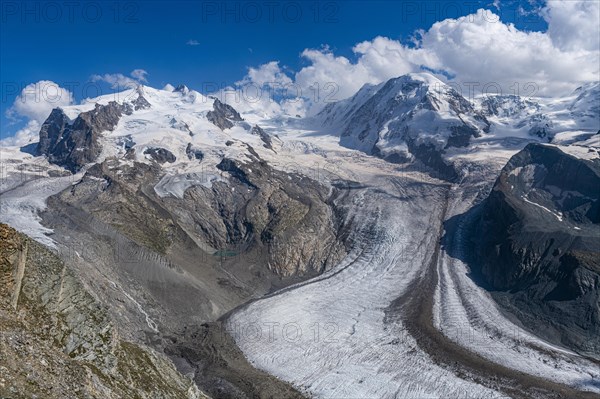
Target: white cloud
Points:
(33, 105)
(193, 42)
(574, 25)
(28, 134)
(269, 75)
(378, 60)
(250, 98)
(37, 100)
(294, 107)
(475, 49)
(120, 81)
(265, 90)
(139, 74)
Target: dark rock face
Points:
(539, 234)
(233, 168)
(264, 136)
(194, 153)
(52, 130)
(181, 125)
(223, 115)
(288, 215)
(434, 159)
(181, 89)
(140, 103)
(72, 145)
(160, 155)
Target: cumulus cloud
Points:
(37, 100)
(378, 60)
(482, 49)
(139, 75)
(251, 98)
(27, 135)
(265, 90)
(295, 107)
(33, 105)
(120, 81)
(574, 25)
(269, 75)
(475, 52)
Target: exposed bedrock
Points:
(72, 144)
(537, 241)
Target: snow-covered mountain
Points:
(546, 118)
(336, 114)
(419, 117)
(177, 211)
(142, 125)
(415, 116)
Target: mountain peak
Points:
(424, 77)
(182, 89)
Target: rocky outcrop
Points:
(264, 136)
(287, 215)
(181, 125)
(74, 144)
(287, 218)
(58, 342)
(140, 103)
(223, 115)
(52, 131)
(193, 153)
(183, 89)
(160, 155)
(538, 243)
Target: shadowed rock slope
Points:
(540, 244)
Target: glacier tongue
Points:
(19, 206)
(329, 336)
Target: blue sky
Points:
(199, 42)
